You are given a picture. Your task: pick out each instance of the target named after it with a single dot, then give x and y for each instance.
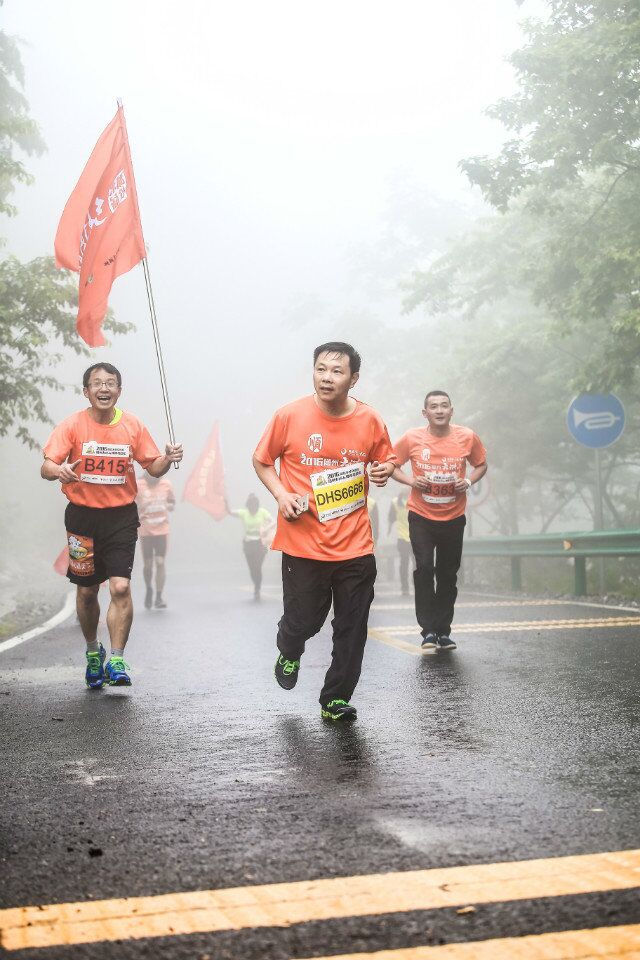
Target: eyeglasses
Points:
(110, 384)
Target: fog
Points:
(271, 144)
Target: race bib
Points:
(440, 488)
(339, 492)
(105, 462)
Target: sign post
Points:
(596, 420)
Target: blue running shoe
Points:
(116, 672)
(94, 674)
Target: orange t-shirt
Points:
(325, 458)
(107, 452)
(442, 461)
(154, 500)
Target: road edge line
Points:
(59, 617)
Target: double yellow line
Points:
(284, 904)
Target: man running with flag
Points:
(91, 454)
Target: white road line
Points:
(60, 617)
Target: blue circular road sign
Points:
(595, 419)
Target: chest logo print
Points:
(426, 453)
(315, 442)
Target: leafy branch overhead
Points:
(566, 185)
(37, 301)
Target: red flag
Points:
(99, 234)
(205, 486)
(61, 563)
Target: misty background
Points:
(297, 168)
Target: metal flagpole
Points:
(152, 307)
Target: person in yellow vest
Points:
(258, 524)
(399, 514)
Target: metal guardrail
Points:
(576, 546)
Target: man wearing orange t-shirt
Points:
(439, 454)
(325, 443)
(155, 500)
(92, 453)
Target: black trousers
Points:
(404, 549)
(309, 587)
(255, 552)
(435, 601)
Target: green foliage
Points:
(569, 180)
(37, 301)
(17, 130)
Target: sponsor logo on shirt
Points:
(426, 453)
(317, 461)
(315, 442)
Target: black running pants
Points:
(309, 588)
(437, 547)
(255, 552)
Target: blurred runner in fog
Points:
(92, 453)
(155, 500)
(324, 443)
(258, 533)
(399, 514)
(374, 517)
(439, 454)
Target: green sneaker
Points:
(338, 710)
(286, 672)
(116, 672)
(94, 674)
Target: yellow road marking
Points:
(509, 626)
(384, 636)
(623, 941)
(283, 904)
(482, 603)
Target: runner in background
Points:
(155, 500)
(258, 526)
(325, 443)
(374, 517)
(91, 454)
(439, 454)
(399, 514)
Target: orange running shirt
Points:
(107, 452)
(325, 458)
(442, 461)
(154, 500)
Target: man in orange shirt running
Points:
(439, 454)
(324, 443)
(91, 454)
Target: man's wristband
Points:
(468, 482)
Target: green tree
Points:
(573, 164)
(36, 300)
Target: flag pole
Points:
(152, 306)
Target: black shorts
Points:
(102, 542)
(156, 544)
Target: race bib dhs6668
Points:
(339, 491)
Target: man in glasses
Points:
(91, 454)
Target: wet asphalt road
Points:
(521, 744)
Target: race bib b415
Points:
(105, 462)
